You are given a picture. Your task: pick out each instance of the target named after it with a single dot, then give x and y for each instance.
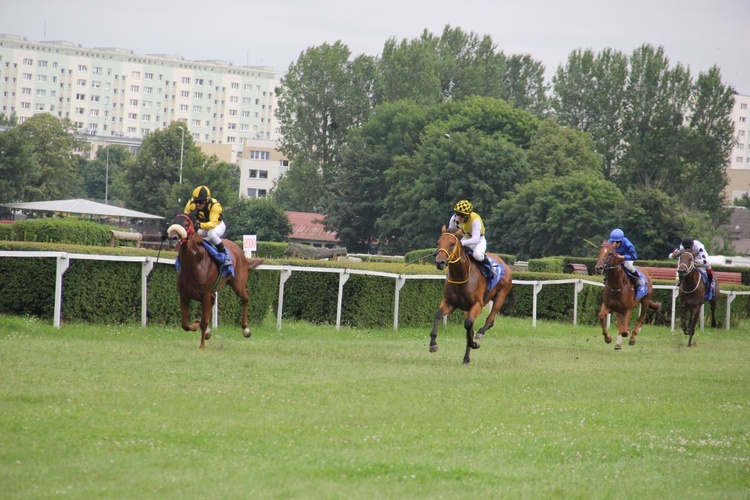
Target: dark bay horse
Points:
(198, 278)
(693, 295)
(466, 289)
(619, 296)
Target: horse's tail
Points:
(253, 263)
(654, 306)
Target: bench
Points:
(125, 236)
(575, 269)
(670, 273)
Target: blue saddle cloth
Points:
(499, 273)
(642, 289)
(710, 290)
(225, 268)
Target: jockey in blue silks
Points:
(625, 247)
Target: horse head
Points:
(685, 264)
(448, 248)
(181, 229)
(608, 257)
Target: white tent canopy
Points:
(80, 206)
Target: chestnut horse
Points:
(619, 295)
(693, 295)
(198, 278)
(466, 289)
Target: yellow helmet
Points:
(463, 207)
(201, 194)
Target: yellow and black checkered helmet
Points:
(201, 194)
(463, 207)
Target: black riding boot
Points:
(226, 258)
(489, 273)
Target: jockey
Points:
(624, 247)
(206, 213)
(472, 227)
(700, 256)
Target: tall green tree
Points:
(358, 189)
(258, 216)
(559, 151)
(108, 167)
(54, 145)
(318, 101)
(300, 189)
(153, 179)
(409, 69)
(18, 166)
(709, 145)
(552, 216)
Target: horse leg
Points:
(694, 317)
(185, 315)
(497, 304)
(444, 310)
(603, 320)
(206, 305)
(471, 316)
(639, 323)
(623, 320)
(241, 292)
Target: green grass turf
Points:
(314, 412)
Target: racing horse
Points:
(619, 295)
(466, 289)
(693, 295)
(198, 277)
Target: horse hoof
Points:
(618, 347)
(631, 342)
(479, 337)
(246, 333)
(208, 334)
(475, 346)
(466, 361)
(608, 340)
(433, 348)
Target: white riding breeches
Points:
(214, 235)
(628, 264)
(478, 249)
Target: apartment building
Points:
(110, 92)
(260, 165)
(738, 171)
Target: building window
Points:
(41, 93)
(256, 193)
(283, 163)
(82, 68)
(28, 62)
(184, 93)
(25, 91)
(185, 79)
(42, 64)
(260, 155)
(97, 70)
(235, 85)
(132, 116)
(134, 102)
(27, 76)
(197, 109)
(148, 90)
(80, 97)
(41, 78)
(135, 88)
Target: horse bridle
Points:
(607, 266)
(688, 271)
(454, 257)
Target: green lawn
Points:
(312, 412)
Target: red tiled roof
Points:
(308, 226)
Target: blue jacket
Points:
(627, 250)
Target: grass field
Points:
(312, 412)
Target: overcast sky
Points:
(695, 33)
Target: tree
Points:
(300, 189)
(318, 103)
(54, 147)
(553, 215)
(358, 189)
(258, 216)
(709, 145)
(153, 178)
(94, 173)
(559, 151)
(18, 167)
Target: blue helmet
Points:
(616, 235)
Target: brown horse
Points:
(466, 289)
(619, 295)
(693, 295)
(198, 278)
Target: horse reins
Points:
(607, 267)
(690, 268)
(454, 257)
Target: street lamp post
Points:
(182, 151)
(106, 180)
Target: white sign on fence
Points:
(249, 244)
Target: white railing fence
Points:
(147, 265)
